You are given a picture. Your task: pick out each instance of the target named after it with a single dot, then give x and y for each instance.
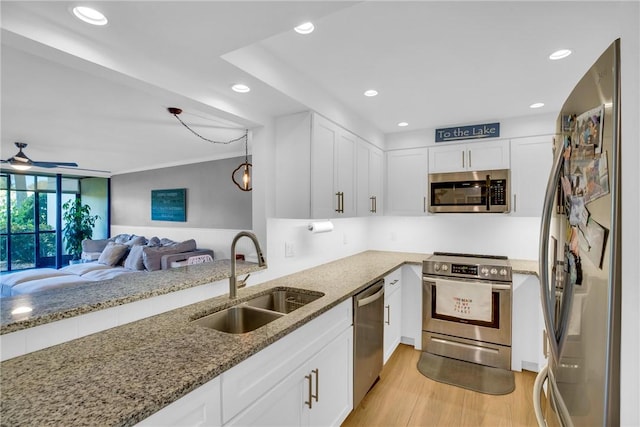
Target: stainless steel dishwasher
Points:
(368, 329)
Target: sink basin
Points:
(283, 300)
(238, 319)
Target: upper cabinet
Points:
(323, 170)
(531, 160)
(406, 192)
(469, 156)
(369, 179)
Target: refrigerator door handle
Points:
(547, 295)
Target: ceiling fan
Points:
(21, 162)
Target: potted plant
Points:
(79, 225)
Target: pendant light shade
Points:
(245, 179)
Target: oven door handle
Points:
(494, 286)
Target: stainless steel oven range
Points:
(450, 326)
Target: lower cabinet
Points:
(527, 350)
(201, 407)
(392, 312)
(318, 393)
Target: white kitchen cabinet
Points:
(270, 387)
(469, 156)
(201, 407)
(527, 324)
(531, 160)
(412, 305)
(406, 182)
(316, 393)
(315, 168)
(369, 179)
(392, 312)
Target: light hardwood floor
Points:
(405, 397)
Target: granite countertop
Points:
(524, 266)
(122, 375)
(57, 304)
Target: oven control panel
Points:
(445, 268)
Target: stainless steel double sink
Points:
(253, 313)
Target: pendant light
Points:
(246, 169)
(246, 166)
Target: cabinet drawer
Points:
(392, 281)
(252, 378)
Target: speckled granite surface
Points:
(52, 305)
(123, 375)
(524, 266)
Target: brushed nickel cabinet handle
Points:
(394, 282)
(424, 204)
(462, 159)
(340, 196)
(515, 206)
(470, 158)
(388, 321)
(310, 402)
(317, 372)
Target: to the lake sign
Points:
(488, 130)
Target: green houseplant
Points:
(78, 226)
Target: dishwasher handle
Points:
(369, 299)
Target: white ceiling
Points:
(98, 95)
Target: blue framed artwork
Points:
(169, 205)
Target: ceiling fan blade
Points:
(54, 164)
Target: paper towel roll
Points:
(321, 226)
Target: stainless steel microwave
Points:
(470, 191)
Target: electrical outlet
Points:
(288, 250)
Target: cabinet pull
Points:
(469, 158)
(462, 152)
(388, 321)
(317, 395)
(310, 402)
(424, 204)
(340, 196)
(514, 203)
(374, 204)
(394, 282)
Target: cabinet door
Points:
(531, 160)
(447, 158)
(375, 180)
(331, 372)
(406, 182)
(368, 179)
(280, 406)
(392, 320)
(488, 155)
(324, 144)
(345, 169)
(200, 407)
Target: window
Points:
(30, 230)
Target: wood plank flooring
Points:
(405, 397)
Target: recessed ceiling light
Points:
(370, 92)
(559, 54)
(240, 88)
(403, 124)
(306, 28)
(90, 15)
(537, 105)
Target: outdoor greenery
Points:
(78, 226)
(23, 221)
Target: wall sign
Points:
(488, 130)
(169, 205)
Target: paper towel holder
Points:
(320, 226)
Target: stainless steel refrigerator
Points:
(579, 256)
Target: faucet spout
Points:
(233, 282)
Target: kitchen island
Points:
(125, 374)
